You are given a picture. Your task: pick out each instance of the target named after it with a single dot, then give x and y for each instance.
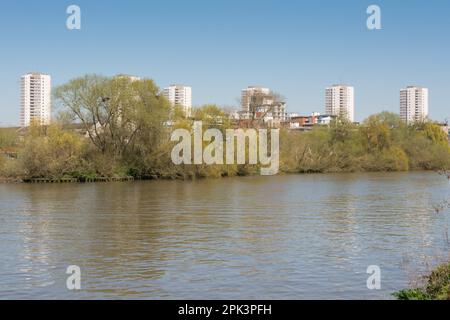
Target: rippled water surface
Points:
(286, 237)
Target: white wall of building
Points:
(413, 104)
(247, 93)
(35, 99)
(179, 95)
(340, 101)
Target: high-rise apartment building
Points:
(35, 99)
(340, 101)
(248, 93)
(413, 104)
(179, 95)
(259, 103)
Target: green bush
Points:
(437, 287)
(381, 143)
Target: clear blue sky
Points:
(297, 48)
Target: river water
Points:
(283, 237)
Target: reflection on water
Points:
(256, 238)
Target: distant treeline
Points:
(124, 129)
(380, 143)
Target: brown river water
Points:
(282, 237)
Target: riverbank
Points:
(49, 180)
(436, 286)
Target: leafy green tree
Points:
(8, 138)
(50, 152)
(115, 111)
(340, 130)
(433, 132)
(377, 133)
(212, 117)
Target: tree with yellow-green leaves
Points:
(51, 152)
(381, 143)
(116, 112)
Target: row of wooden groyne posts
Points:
(79, 180)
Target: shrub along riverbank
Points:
(437, 287)
(123, 129)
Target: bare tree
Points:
(261, 104)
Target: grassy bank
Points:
(437, 287)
